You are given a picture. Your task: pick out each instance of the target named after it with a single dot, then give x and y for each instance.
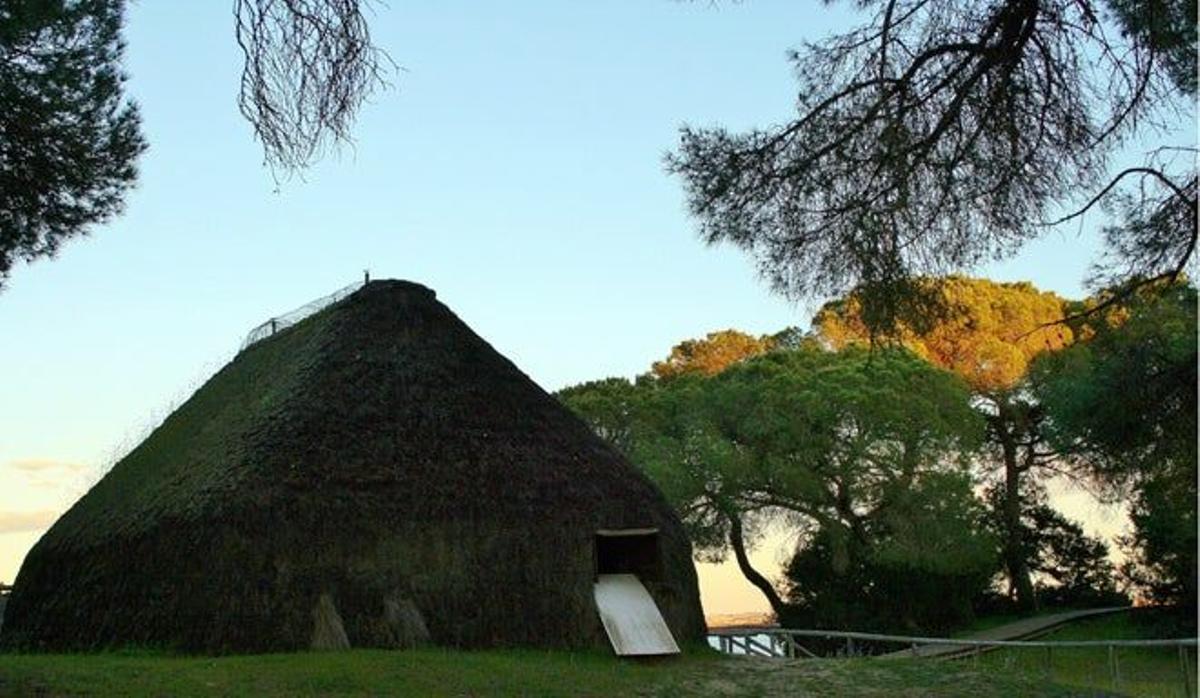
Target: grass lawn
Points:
(433, 672)
(1143, 671)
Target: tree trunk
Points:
(738, 543)
(1014, 544)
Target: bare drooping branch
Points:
(309, 66)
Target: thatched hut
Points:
(375, 475)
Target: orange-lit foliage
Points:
(711, 355)
(989, 337)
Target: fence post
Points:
(1112, 667)
(1049, 662)
(1186, 666)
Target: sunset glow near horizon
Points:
(516, 169)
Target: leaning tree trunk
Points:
(738, 543)
(1014, 537)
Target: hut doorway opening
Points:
(629, 551)
(625, 560)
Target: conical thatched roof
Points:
(378, 462)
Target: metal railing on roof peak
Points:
(282, 322)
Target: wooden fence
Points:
(786, 643)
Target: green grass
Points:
(436, 672)
(1142, 671)
(432, 672)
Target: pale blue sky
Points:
(516, 168)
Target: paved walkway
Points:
(1023, 629)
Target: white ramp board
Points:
(632, 621)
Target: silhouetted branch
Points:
(1162, 178)
(309, 66)
(934, 137)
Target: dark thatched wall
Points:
(379, 453)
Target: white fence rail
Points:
(963, 642)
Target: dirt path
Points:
(1023, 629)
